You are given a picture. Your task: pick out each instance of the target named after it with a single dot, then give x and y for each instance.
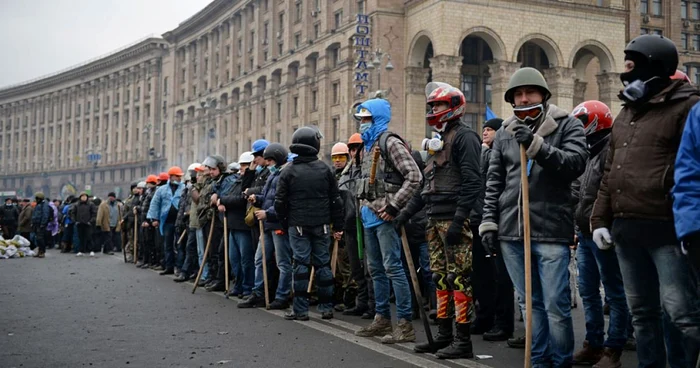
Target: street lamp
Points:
(377, 57)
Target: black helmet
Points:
(133, 184)
(306, 136)
(277, 152)
(660, 53)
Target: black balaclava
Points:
(652, 76)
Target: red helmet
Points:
(681, 75)
(163, 176)
(453, 97)
(595, 116)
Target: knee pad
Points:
(440, 281)
(302, 271)
(458, 282)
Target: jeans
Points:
(190, 264)
(199, 235)
(181, 248)
(169, 245)
(283, 255)
(596, 266)
(241, 255)
(310, 246)
(383, 252)
(115, 238)
(259, 288)
(552, 326)
(657, 276)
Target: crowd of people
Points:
(623, 195)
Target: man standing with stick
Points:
(556, 155)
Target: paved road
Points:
(65, 311)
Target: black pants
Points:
(9, 231)
(357, 267)
(84, 237)
(115, 238)
(149, 244)
(216, 249)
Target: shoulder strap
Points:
(383, 138)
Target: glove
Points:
(523, 135)
(602, 238)
(489, 240)
(400, 221)
(454, 232)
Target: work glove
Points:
(489, 240)
(399, 222)
(602, 238)
(454, 232)
(523, 135)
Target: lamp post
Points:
(378, 57)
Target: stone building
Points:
(241, 70)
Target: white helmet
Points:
(246, 158)
(234, 167)
(191, 171)
(141, 184)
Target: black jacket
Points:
(260, 180)
(347, 185)
(10, 215)
(266, 202)
(478, 210)
(83, 213)
(236, 203)
(146, 204)
(183, 212)
(558, 154)
(585, 188)
(307, 194)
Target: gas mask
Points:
(636, 90)
(433, 145)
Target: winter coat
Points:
(347, 185)
(52, 226)
(183, 212)
(103, 216)
(557, 156)
(25, 219)
(41, 216)
(128, 215)
(146, 204)
(686, 192)
(260, 180)
(66, 218)
(639, 169)
(162, 201)
(83, 213)
(478, 209)
(585, 188)
(266, 202)
(236, 204)
(10, 215)
(307, 194)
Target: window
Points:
(335, 57)
(266, 5)
(644, 31)
(338, 19)
(684, 41)
(87, 111)
(644, 6)
(299, 8)
(361, 7)
(165, 86)
(297, 40)
(252, 39)
(656, 7)
(279, 113)
(281, 48)
(240, 47)
(487, 90)
(263, 114)
(314, 100)
(295, 106)
(696, 75)
(128, 96)
(138, 93)
(77, 111)
(658, 32)
(696, 42)
(684, 9)
(97, 105)
(266, 28)
(695, 10)
(317, 31)
(265, 55)
(469, 87)
(281, 20)
(182, 76)
(336, 93)
(228, 51)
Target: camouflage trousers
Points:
(128, 234)
(452, 270)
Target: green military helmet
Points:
(526, 77)
(39, 195)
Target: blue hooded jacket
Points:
(686, 192)
(381, 116)
(161, 202)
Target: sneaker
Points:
(381, 326)
(291, 316)
(254, 301)
(92, 254)
(403, 332)
(159, 268)
(279, 304)
(79, 254)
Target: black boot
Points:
(432, 313)
(461, 346)
(441, 340)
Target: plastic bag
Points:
(23, 242)
(11, 251)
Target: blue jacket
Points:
(224, 186)
(66, 218)
(686, 192)
(266, 201)
(161, 202)
(40, 216)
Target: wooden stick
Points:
(136, 241)
(528, 260)
(204, 258)
(264, 264)
(416, 288)
(375, 163)
(334, 257)
(226, 253)
(182, 236)
(311, 279)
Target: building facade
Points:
(242, 70)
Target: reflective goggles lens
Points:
(531, 112)
(339, 158)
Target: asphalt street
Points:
(65, 311)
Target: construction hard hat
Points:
(152, 179)
(141, 184)
(234, 166)
(194, 166)
(213, 161)
(259, 146)
(176, 171)
(340, 148)
(163, 176)
(246, 158)
(363, 113)
(355, 139)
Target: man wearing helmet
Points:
(307, 203)
(147, 256)
(634, 206)
(450, 193)
(556, 155)
(597, 265)
(397, 179)
(129, 220)
(186, 262)
(163, 213)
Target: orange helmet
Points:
(453, 97)
(340, 148)
(152, 179)
(355, 139)
(595, 116)
(681, 75)
(163, 176)
(175, 170)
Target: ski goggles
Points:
(531, 112)
(339, 158)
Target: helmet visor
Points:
(531, 112)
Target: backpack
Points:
(382, 140)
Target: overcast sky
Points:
(39, 37)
